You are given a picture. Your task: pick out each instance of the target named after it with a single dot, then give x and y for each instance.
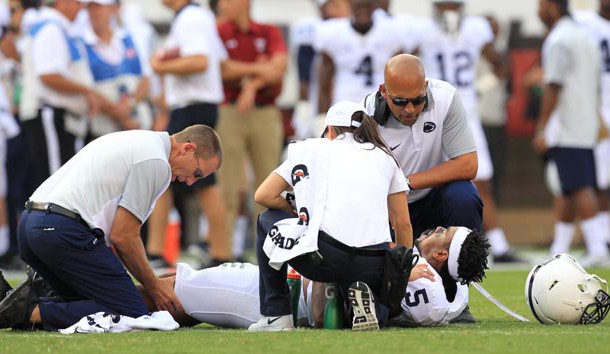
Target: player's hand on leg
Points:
(163, 295)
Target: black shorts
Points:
(197, 113)
(575, 167)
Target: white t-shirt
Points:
(425, 302)
(128, 169)
(359, 60)
(454, 59)
(600, 28)
(360, 179)
(570, 58)
(440, 133)
(194, 32)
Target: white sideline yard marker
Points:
(498, 303)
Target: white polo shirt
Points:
(128, 169)
(570, 58)
(440, 133)
(194, 32)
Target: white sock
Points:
(239, 235)
(497, 239)
(5, 240)
(595, 236)
(562, 239)
(605, 217)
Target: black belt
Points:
(361, 251)
(53, 209)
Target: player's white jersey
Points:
(359, 60)
(454, 58)
(425, 302)
(227, 295)
(600, 28)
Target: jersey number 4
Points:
(418, 296)
(365, 68)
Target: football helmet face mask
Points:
(448, 14)
(560, 291)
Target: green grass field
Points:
(496, 332)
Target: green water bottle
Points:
(294, 283)
(333, 306)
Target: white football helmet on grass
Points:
(560, 291)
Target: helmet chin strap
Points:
(489, 297)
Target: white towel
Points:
(103, 322)
(293, 237)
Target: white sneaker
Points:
(273, 324)
(602, 261)
(361, 298)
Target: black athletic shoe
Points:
(5, 287)
(41, 287)
(360, 297)
(16, 307)
(464, 317)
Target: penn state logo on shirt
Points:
(429, 127)
(303, 216)
(299, 172)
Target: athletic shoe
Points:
(5, 287)
(16, 308)
(360, 297)
(272, 324)
(464, 317)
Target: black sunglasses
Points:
(405, 101)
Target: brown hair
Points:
(367, 132)
(206, 139)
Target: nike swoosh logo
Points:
(270, 321)
(394, 148)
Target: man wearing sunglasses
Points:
(81, 227)
(424, 122)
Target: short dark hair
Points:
(472, 261)
(206, 139)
